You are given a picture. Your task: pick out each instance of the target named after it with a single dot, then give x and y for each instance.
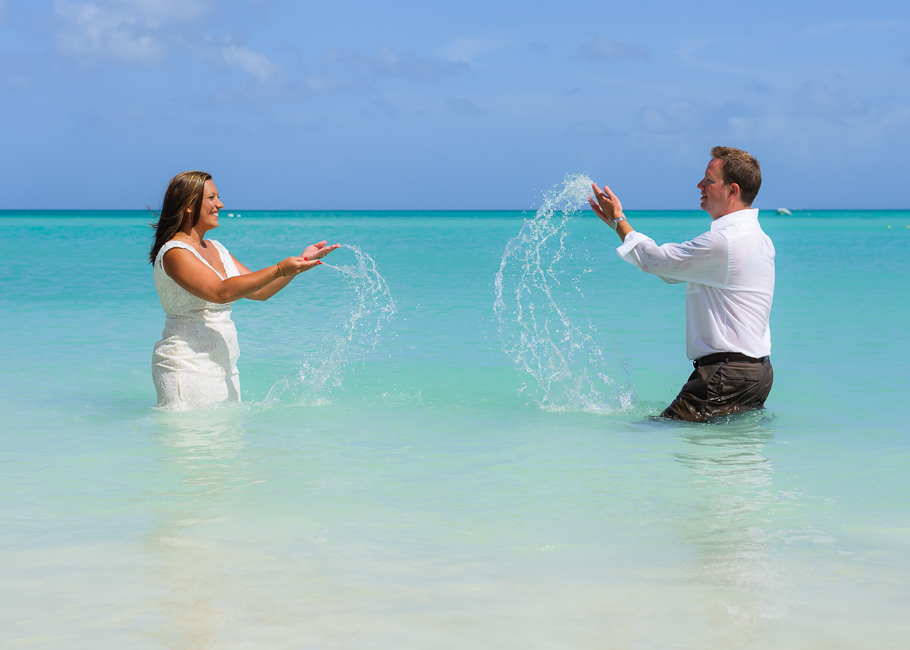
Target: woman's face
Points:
(211, 204)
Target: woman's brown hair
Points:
(183, 192)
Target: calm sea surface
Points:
(445, 442)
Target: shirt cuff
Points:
(632, 240)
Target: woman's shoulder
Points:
(168, 246)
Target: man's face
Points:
(715, 196)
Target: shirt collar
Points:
(740, 216)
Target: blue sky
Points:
(468, 105)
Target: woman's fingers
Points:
(321, 251)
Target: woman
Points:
(194, 365)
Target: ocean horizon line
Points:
(10, 212)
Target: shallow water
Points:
(438, 493)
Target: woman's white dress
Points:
(194, 365)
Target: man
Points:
(729, 272)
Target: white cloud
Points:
(98, 31)
(815, 99)
(379, 106)
(387, 63)
(849, 28)
(686, 116)
(329, 85)
(130, 31)
(466, 49)
(587, 129)
(253, 63)
(604, 48)
(461, 106)
(157, 12)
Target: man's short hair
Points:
(741, 168)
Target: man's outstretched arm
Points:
(702, 259)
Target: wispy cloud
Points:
(815, 99)
(169, 10)
(330, 85)
(123, 117)
(379, 106)
(469, 48)
(97, 31)
(587, 129)
(144, 32)
(387, 63)
(851, 27)
(602, 49)
(126, 31)
(686, 116)
(461, 106)
(253, 63)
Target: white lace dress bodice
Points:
(194, 365)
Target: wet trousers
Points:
(722, 384)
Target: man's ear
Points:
(734, 191)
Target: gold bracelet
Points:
(280, 271)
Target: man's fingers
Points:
(606, 193)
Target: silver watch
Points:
(616, 221)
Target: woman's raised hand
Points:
(318, 250)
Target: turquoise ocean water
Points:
(445, 443)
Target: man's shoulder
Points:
(746, 215)
(742, 221)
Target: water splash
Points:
(540, 309)
(349, 338)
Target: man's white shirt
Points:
(730, 276)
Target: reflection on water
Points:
(201, 459)
(732, 525)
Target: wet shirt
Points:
(729, 272)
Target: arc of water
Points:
(351, 338)
(536, 327)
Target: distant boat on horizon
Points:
(784, 211)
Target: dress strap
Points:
(230, 268)
(159, 261)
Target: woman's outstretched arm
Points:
(196, 277)
(312, 252)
